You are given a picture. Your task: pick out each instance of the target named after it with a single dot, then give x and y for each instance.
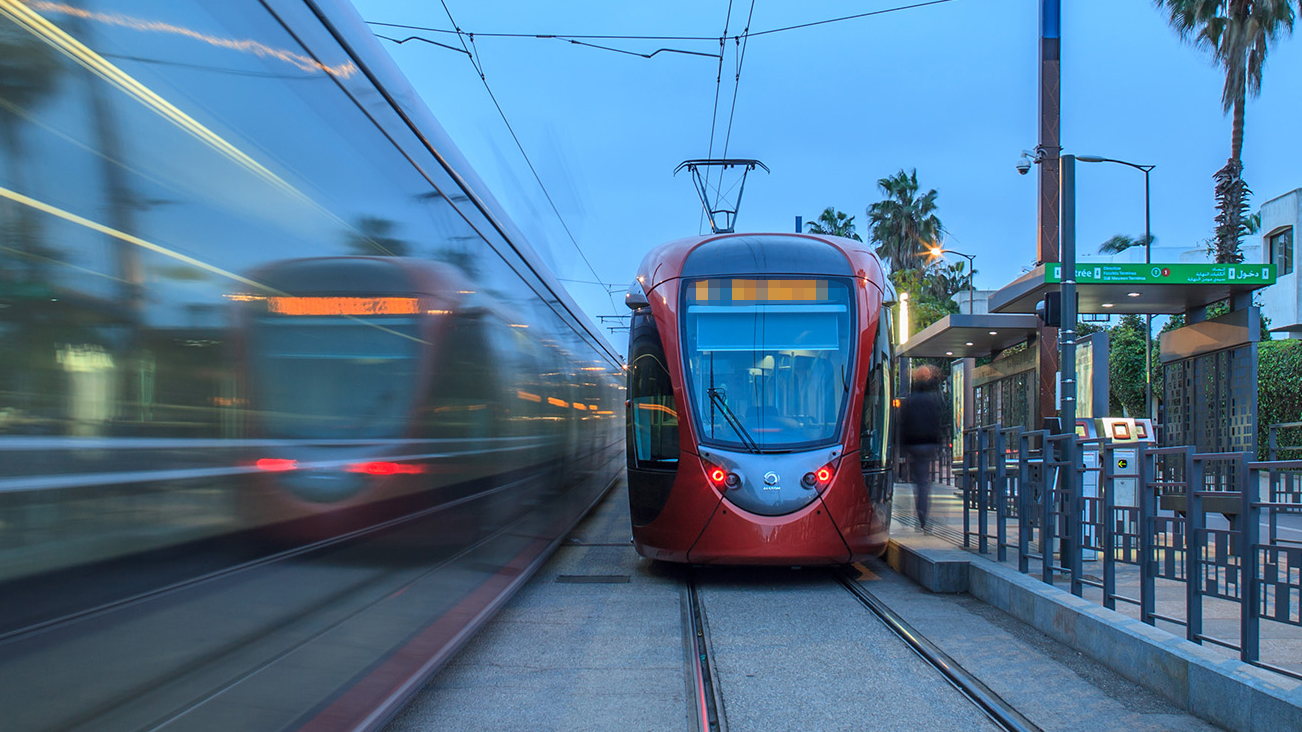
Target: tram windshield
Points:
(333, 377)
(768, 360)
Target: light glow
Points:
(658, 408)
(904, 318)
(557, 402)
(824, 474)
(276, 465)
(385, 468)
(343, 305)
(528, 397)
(719, 290)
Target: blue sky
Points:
(950, 90)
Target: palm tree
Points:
(1121, 243)
(833, 223)
(1238, 33)
(944, 280)
(904, 224)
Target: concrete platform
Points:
(1199, 680)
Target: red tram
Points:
(759, 401)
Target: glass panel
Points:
(323, 378)
(1281, 251)
(875, 441)
(767, 360)
(654, 418)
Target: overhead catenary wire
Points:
(477, 62)
(636, 37)
(741, 58)
(714, 116)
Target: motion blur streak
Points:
(261, 50)
(121, 235)
(262, 455)
(66, 44)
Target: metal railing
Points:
(1211, 521)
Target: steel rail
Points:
(994, 706)
(702, 701)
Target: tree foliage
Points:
(904, 223)
(1126, 384)
(833, 223)
(1279, 387)
(1121, 243)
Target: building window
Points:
(1281, 251)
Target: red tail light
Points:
(385, 468)
(823, 474)
(276, 465)
(718, 475)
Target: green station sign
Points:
(1166, 274)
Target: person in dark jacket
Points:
(921, 430)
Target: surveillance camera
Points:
(1024, 166)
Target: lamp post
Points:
(1148, 259)
(938, 252)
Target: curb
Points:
(1223, 691)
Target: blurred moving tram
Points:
(760, 401)
(288, 404)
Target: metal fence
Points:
(1225, 520)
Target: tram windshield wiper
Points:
(716, 398)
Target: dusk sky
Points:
(949, 89)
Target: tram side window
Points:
(654, 418)
(875, 436)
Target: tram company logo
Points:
(771, 478)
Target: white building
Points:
(1280, 217)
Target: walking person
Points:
(921, 430)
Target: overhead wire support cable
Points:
(478, 64)
(426, 40)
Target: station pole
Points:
(1049, 184)
(1067, 381)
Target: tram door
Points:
(652, 421)
(876, 436)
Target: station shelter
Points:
(1209, 365)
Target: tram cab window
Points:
(768, 360)
(875, 434)
(653, 421)
(331, 377)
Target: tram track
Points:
(706, 712)
(704, 707)
(995, 707)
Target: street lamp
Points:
(937, 252)
(1148, 259)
